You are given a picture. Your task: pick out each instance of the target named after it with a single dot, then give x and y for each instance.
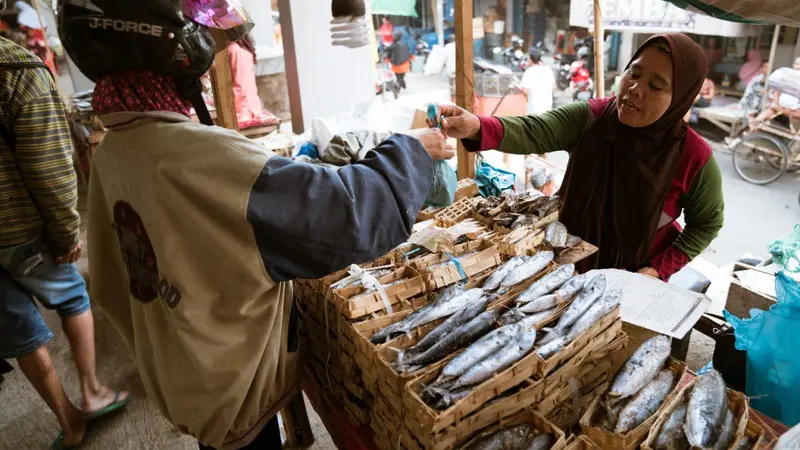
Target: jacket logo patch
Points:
(140, 258)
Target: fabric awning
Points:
(395, 8)
(784, 12)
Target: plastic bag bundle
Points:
(786, 251)
(492, 181)
(443, 185)
(786, 80)
(771, 340)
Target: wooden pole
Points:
(437, 22)
(222, 84)
(465, 78)
(771, 64)
(599, 51)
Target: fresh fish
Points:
(444, 297)
(373, 290)
(727, 433)
(526, 270)
(523, 221)
(708, 406)
(547, 283)
(599, 310)
(513, 315)
(473, 329)
(646, 402)
(542, 303)
(449, 399)
(541, 442)
(556, 235)
(513, 438)
(482, 348)
(746, 443)
(428, 314)
(452, 323)
(671, 436)
(533, 319)
(573, 286)
(573, 241)
(551, 348)
(494, 280)
(641, 367)
(593, 290)
(512, 352)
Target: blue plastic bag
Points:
(786, 251)
(772, 342)
(443, 185)
(492, 181)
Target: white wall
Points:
(625, 49)
(261, 13)
(331, 79)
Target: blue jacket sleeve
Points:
(310, 221)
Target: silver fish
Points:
(526, 270)
(451, 398)
(533, 319)
(708, 405)
(572, 287)
(512, 352)
(482, 348)
(541, 442)
(556, 235)
(671, 436)
(513, 315)
(540, 304)
(427, 315)
(452, 323)
(746, 443)
(494, 280)
(551, 348)
(464, 334)
(597, 311)
(443, 297)
(547, 283)
(727, 433)
(646, 402)
(513, 438)
(641, 367)
(592, 292)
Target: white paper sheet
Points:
(655, 305)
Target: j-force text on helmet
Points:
(127, 26)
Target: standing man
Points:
(386, 32)
(538, 83)
(39, 242)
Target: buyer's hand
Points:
(459, 123)
(434, 142)
(73, 256)
(649, 271)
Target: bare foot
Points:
(75, 432)
(95, 401)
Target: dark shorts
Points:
(28, 271)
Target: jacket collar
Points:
(121, 120)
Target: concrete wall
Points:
(261, 13)
(330, 79)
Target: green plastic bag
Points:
(443, 185)
(786, 251)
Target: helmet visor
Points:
(227, 15)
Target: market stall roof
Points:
(783, 12)
(655, 16)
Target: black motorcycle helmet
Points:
(170, 37)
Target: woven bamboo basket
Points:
(737, 401)
(580, 443)
(466, 188)
(353, 303)
(438, 273)
(755, 433)
(632, 439)
(536, 421)
(568, 414)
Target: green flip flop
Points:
(58, 444)
(113, 406)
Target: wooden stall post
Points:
(599, 44)
(465, 78)
(222, 84)
(771, 64)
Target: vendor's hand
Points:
(649, 271)
(458, 123)
(434, 142)
(71, 257)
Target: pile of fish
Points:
(705, 420)
(592, 303)
(518, 437)
(640, 387)
(557, 237)
(354, 281)
(514, 212)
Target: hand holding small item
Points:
(458, 123)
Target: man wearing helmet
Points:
(196, 231)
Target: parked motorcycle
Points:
(513, 56)
(422, 48)
(387, 83)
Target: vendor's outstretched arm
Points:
(558, 129)
(310, 221)
(704, 212)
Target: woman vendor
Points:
(634, 166)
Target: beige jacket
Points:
(194, 232)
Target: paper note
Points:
(655, 305)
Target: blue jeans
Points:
(28, 271)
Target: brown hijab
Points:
(618, 177)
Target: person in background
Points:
(713, 53)
(39, 244)
(706, 94)
(538, 84)
(783, 107)
(750, 69)
(386, 32)
(399, 57)
(249, 109)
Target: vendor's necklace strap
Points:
(458, 266)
